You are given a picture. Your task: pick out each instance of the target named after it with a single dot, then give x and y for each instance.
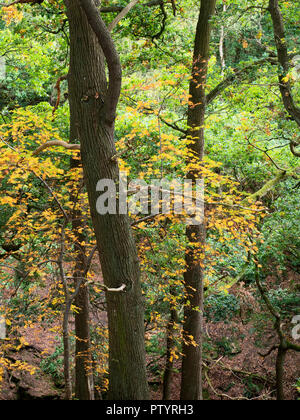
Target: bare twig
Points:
(122, 14)
(118, 9)
(60, 143)
(264, 355)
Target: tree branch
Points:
(118, 9)
(115, 290)
(60, 143)
(284, 343)
(122, 14)
(269, 186)
(211, 96)
(21, 2)
(163, 23)
(111, 55)
(283, 59)
(293, 146)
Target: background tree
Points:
(191, 385)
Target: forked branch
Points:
(113, 61)
(283, 59)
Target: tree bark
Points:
(66, 316)
(67, 353)
(191, 383)
(280, 359)
(283, 59)
(92, 108)
(222, 44)
(171, 340)
(84, 384)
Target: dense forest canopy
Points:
(98, 302)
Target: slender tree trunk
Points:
(66, 316)
(67, 353)
(281, 355)
(191, 384)
(92, 108)
(284, 344)
(84, 386)
(171, 330)
(222, 44)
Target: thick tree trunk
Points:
(91, 107)
(191, 384)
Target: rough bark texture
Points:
(84, 386)
(283, 59)
(171, 342)
(92, 122)
(281, 355)
(191, 384)
(67, 353)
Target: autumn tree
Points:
(93, 105)
(191, 385)
(226, 121)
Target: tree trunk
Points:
(283, 59)
(67, 353)
(171, 330)
(281, 355)
(191, 383)
(222, 44)
(84, 384)
(92, 111)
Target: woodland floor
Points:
(229, 374)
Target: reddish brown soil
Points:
(228, 375)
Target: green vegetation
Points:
(57, 123)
